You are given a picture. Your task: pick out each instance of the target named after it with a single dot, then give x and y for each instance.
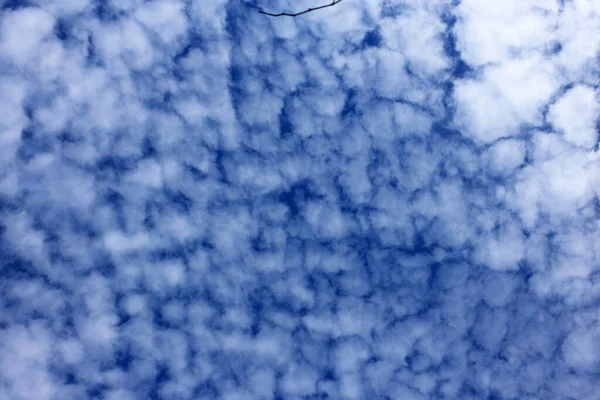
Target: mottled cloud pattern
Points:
(386, 199)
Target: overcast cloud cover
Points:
(384, 199)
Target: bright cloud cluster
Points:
(381, 199)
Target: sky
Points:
(383, 199)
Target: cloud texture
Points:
(378, 200)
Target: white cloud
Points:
(581, 351)
(417, 34)
(576, 114)
(506, 155)
(16, 46)
(494, 32)
(164, 18)
(504, 99)
(389, 199)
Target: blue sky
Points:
(379, 200)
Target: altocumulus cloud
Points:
(384, 199)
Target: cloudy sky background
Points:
(378, 200)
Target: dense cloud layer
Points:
(381, 199)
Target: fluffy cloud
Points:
(381, 199)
